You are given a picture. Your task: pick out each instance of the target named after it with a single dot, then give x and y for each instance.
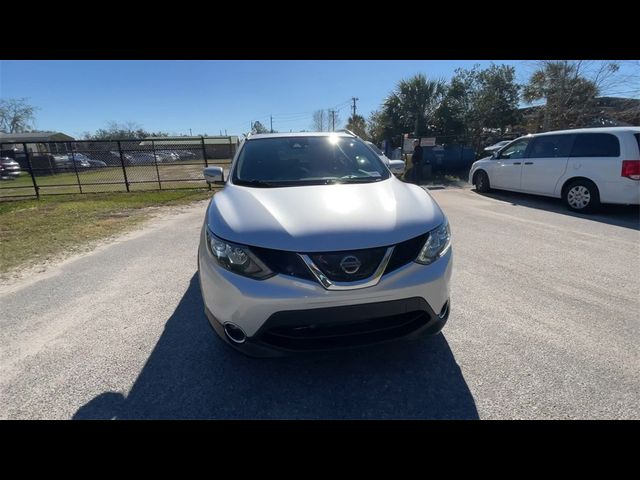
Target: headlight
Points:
(437, 244)
(237, 258)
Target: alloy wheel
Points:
(579, 197)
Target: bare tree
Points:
(16, 115)
(319, 121)
(126, 130)
(325, 120)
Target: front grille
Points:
(342, 335)
(405, 252)
(286, 263)
(290, 263)
(333, 264)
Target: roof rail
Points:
(344, 130)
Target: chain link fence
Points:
(98, 166)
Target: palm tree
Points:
(417, 99)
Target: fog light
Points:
(445, 311)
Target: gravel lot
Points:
(545, 323)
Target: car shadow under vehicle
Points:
(191, 374)
(627, 216)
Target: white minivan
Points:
(584, 167)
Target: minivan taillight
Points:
(631, 169)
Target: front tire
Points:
(482, 182)
(582, 196)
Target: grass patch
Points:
(33, 231)
(110, 179)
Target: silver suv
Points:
(313, 244)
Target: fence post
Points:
(124, 170)
(204, 152)
(155, 160)
(75, 167)
(33, 177)
(204, 156)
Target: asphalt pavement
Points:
(545, 324)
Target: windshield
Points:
(290, 161)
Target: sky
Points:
(182, 97)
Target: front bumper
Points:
(259, 306)
(14, 173)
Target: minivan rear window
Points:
(637, 135)
(595, 145)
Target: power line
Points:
(346, 102)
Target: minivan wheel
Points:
(582, 196)
(482, 182)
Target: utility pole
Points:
(333, 120)
(355, 99)
(271, 118)
(225, 132)
(190, 134)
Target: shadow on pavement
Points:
(627, 216)
(192, 374)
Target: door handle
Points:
(516, 163)
(528, 163)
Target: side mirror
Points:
(495, 155)
(214, 175)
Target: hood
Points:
(321, 218)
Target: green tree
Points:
(497, 99)
(417, 99)
(388, 123)
(259, 128)
(16, 115)
(479, 101)
(569, 89)
(358, 125)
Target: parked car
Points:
(396, 166)
(110, 158)
(584, 167)
(188, 154)
(81, 157)
(66, 162)
(167, 156)
(313, 244)
(497, 146)
(97, 163)
(143, 158)
(9, 168)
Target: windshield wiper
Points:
(257, 183)
(358, 179)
